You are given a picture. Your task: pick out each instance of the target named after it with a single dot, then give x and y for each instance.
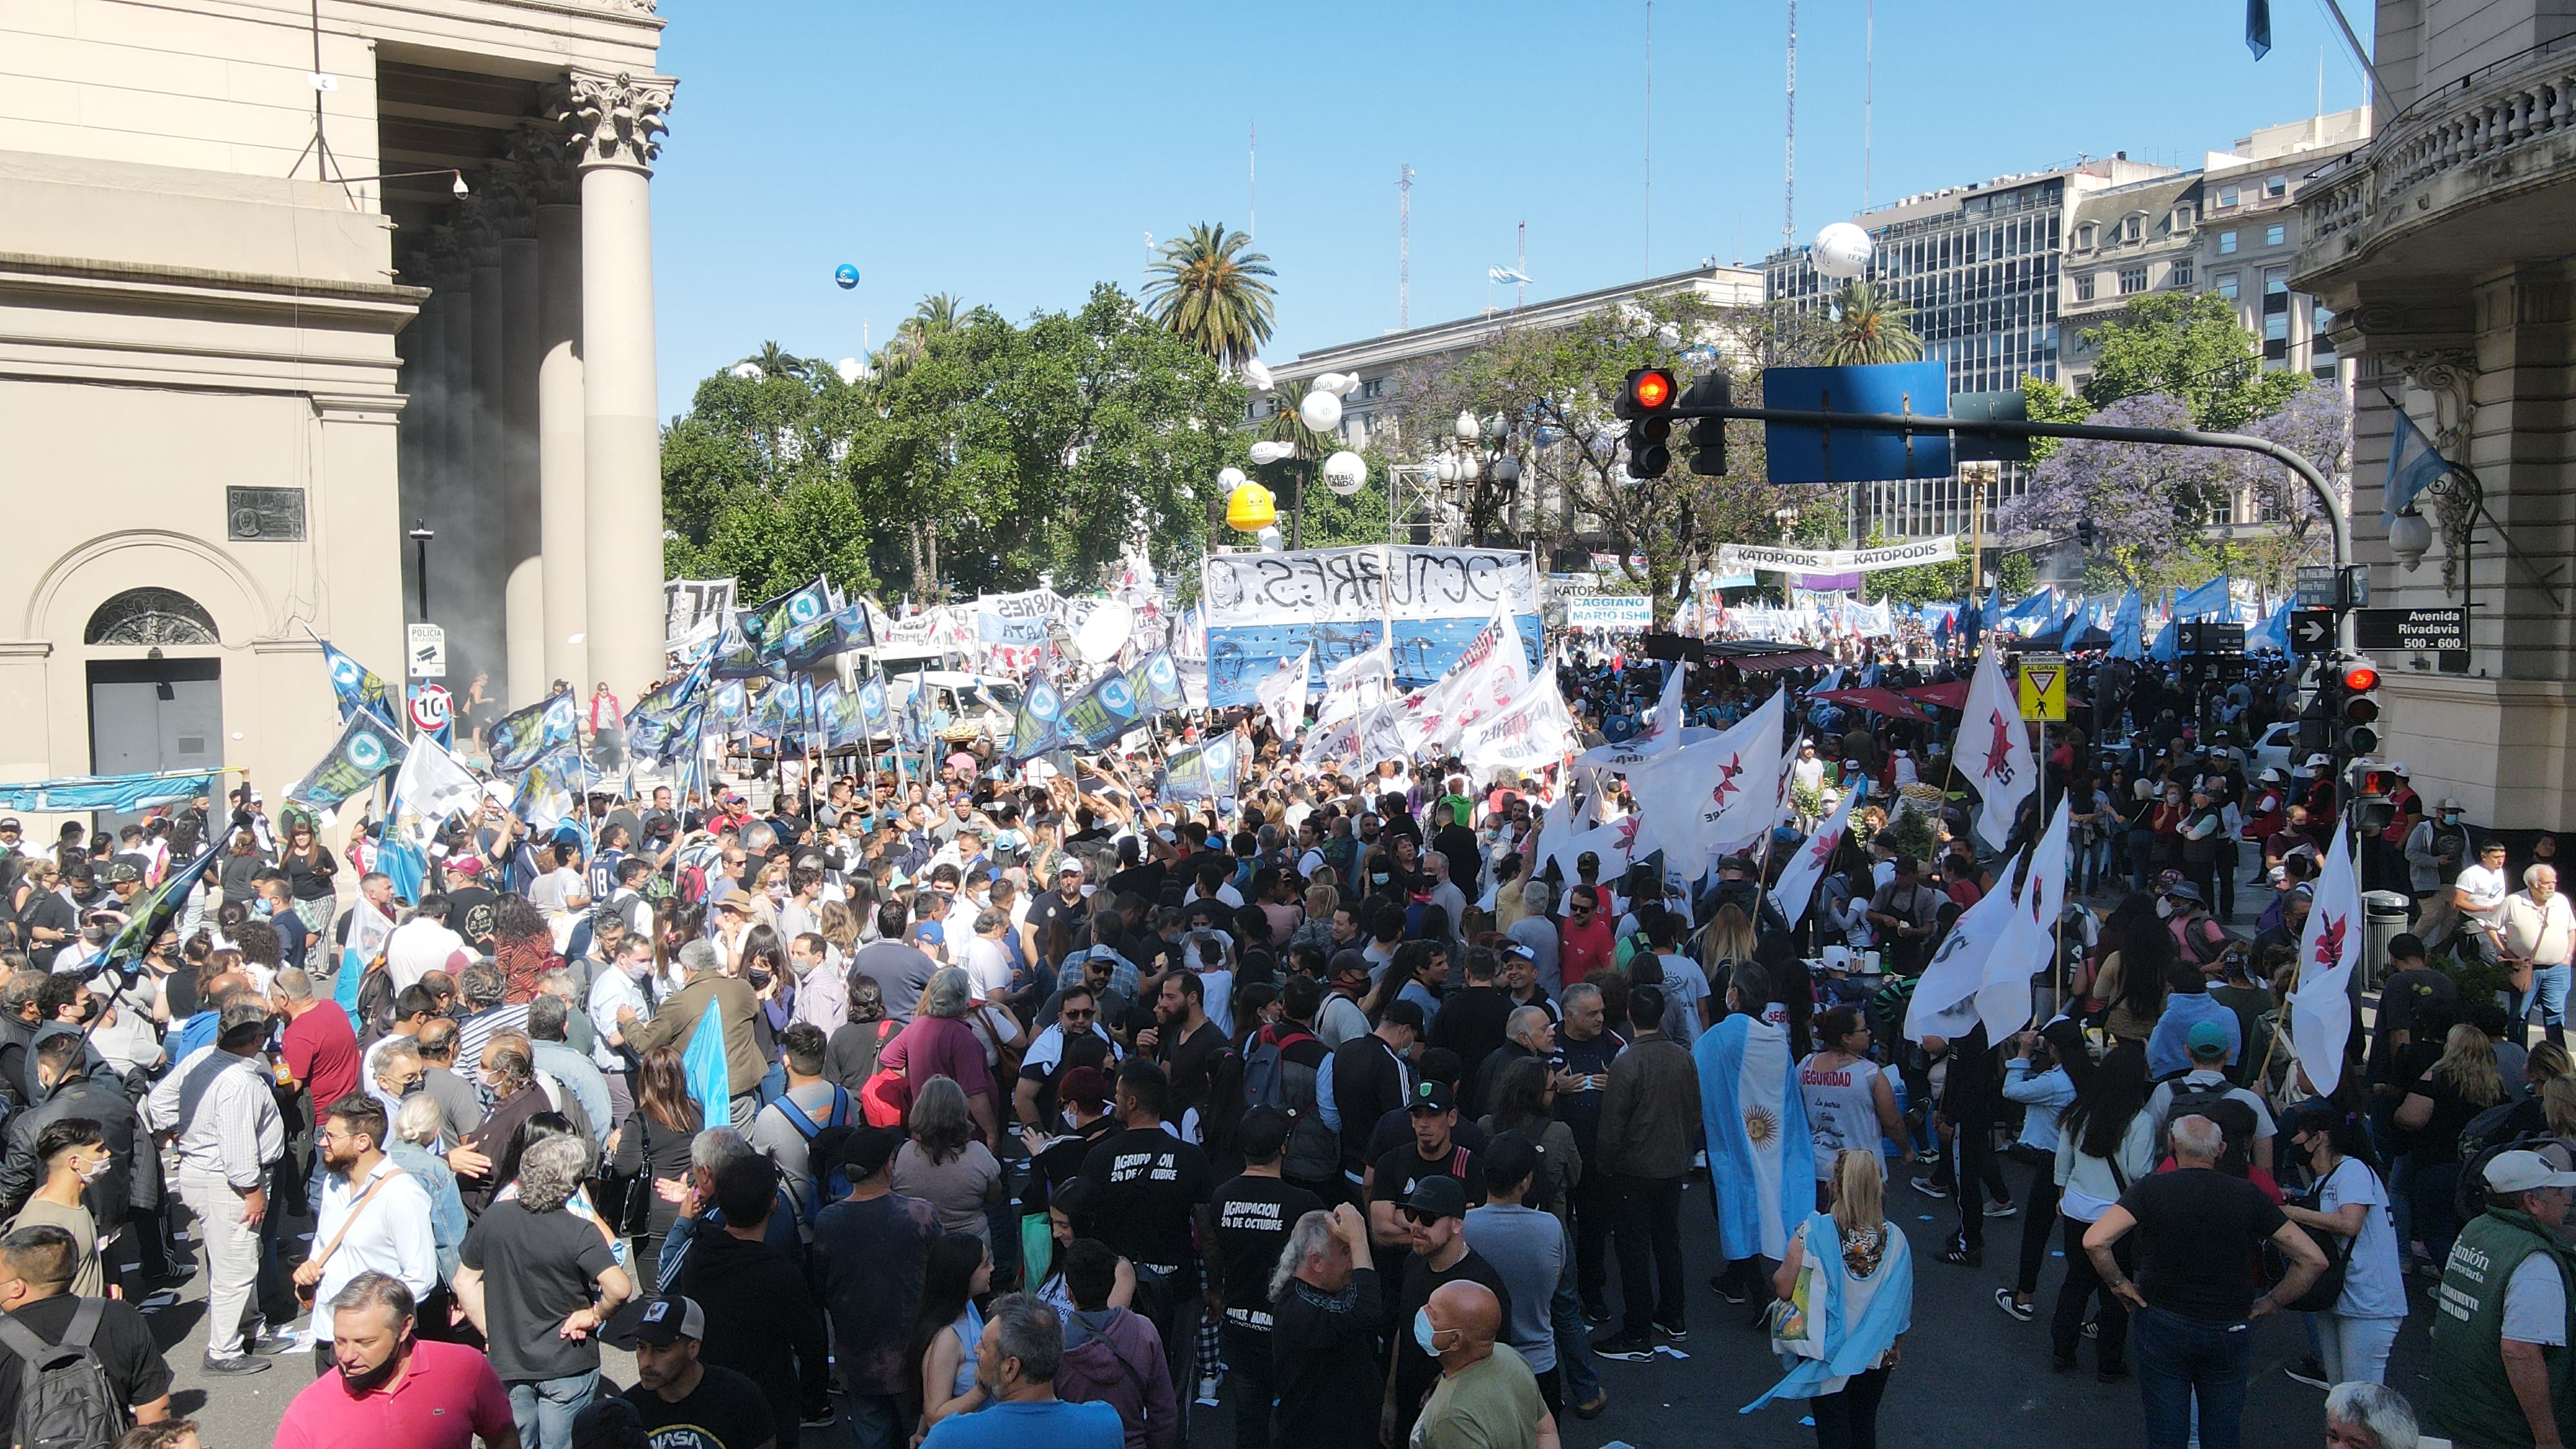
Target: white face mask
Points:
(2164, 909)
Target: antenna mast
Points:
(1650, 139)
(1520, 268)
(1252, 229)
(1403, 245)
(1789, 204)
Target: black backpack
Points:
(64, 1398)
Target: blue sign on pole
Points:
(1837, 455)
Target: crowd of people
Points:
(980, 1105)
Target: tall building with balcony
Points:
(2440, 250)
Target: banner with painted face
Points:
(1423, 604)
(366, 749)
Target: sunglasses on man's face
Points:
(1419, 1218)
(1085, 1014)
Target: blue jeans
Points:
(2180, 1359)
(544, 1408)
(1573, 1343)
(877, 1421)
(2548, 992)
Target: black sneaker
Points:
(1621, 1346)
(1727, 1288)
(2111, 1373)
(1596, 1317)
(2001, 1209)
(1676, 1330)
(239, 1364)
(2308, 1371)
(1929, 1188)
(2014, 1308)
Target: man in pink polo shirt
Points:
(394, 1391)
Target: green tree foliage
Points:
(1871, 325)
(977, 455)
(2186, 345)
(1945, 582)
(1558, 386)
(1211, 289)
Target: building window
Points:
(2181, 273)
(2226, 242)
(2084, 237)
(2182, 218)
(2084, 287)
(2227, 196)
(2225, 283)
(151, 616)
(2276, 283)
(1372, 387)
(2131, 228)
(2275, 187)
(2275, 235)
(2132, 279)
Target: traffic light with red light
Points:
(1647, 404)
(2357, 707)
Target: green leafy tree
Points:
(1212, 289)
(1945, 582)
(1871, 325)
(1558, 386)
(2186, 345)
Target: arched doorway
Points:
(154, 713)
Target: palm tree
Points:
(773, 361)
(936, 318)
(1871, 325)
(1208, 289)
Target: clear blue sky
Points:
(1016, 153)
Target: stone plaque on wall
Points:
(264, 515)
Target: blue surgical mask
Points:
(1423, 1332)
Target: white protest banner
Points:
(694, 607)
(1533, 730)
(1019, 620)
(1283, 695)
(1424, 603)
(1614, 612)
(1739, 557)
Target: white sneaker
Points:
(1207, 1389)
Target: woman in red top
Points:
(939, 1043)
(523, 946)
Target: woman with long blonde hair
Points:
(1847, 1291)
(2454, 1089)
(1728, 936)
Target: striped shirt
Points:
(224, 1111)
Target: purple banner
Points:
(1822, 582)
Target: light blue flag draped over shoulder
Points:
(709, 1075)
(1760, 1156)
(1848, 1323)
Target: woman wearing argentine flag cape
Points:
(1846, 1300)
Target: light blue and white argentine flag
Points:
(1760, 1156)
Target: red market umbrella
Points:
(1953, 695)
(1877, 701)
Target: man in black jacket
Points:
(76, 1086)
(1324, 1324)
(761, 1319)
(1370, 1078)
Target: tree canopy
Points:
(975, 453)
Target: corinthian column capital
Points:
(614, 120)
(544, 156)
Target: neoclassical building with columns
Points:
(279, 297)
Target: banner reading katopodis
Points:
(1424, 603)
(1739, 557)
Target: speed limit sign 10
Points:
(431, 707)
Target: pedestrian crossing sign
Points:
(2043, 688)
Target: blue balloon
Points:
(846, 275)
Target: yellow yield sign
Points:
(2043, 687)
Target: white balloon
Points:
(1270, 539)
(851, 370)
(747, 369)
(1330, 382)
(1258, 374)
(1345, 472)
(1267, 451)
(1350, 384)
(1229, 479)
(1320, 410)
(1104, 632)
(1843, 250)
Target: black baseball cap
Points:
(1431, 1096)
(1439, 1195)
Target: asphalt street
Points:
(1970, 1375)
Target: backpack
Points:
(885, 1096)
(2189, 1098)
(827, 1184)
(64, 1398)
(1269, 1078)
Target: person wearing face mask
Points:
(619, 989)
(72, 1088)
(448, 1394)
(37, 1265)
(1435, 1215)
(74, 1153)
(2435, 850)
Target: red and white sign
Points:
(431, 708)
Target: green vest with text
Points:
(2472, 1401)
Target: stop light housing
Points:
(2373, 786)
(2085, 532)
(1708, 435)
(2357, 707)
(1646, 401)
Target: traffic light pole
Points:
(2337, 525)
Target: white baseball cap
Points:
(2524, 1171)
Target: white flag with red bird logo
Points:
(1797, 887)
(1715, 794)
(2329, 951)
(1993, 748)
